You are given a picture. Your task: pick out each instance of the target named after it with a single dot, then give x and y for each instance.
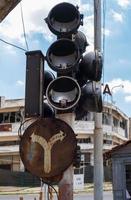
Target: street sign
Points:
(47, 148)
(78, 181)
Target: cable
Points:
(54, 190)
(22, 124)
(4, 41)
(49, 184)
(22, 18)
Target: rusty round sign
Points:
(47, 148)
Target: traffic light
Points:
(77, 157)
(77, 84)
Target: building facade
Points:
(115, 131)
(116, 128)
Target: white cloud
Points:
(118, 17)
(123, 86)
(20, 83)
(106, 32)
(116, 85)
(88, 29)
(9, 49)
(124, 3)
(124, 62)
(128, 99)
(86, 8)
(11, 28)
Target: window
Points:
(84, 140)
(107, 141)
(115, 122)
(10, 117)
(106, 119)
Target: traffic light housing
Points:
(64, 19)
(77, 157)
(63, 93)
(34, 83)
(76, 87)
(77, 84)
(37, 80)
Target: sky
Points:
(116, 45)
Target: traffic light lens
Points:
(63, 48)
(64, 19)
(63, 55)
(64, 13)
(63, 93)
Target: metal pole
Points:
(66, 184)
(98, 133)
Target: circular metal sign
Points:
(47, 148)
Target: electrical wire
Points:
(16, 46)
(4, 41)
(49, 184)
(54, 190)
(24, 32)
(22, 124)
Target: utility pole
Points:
(66, 184)
(98, 133)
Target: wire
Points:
(4, 41)
(22, 18)
(13, 45)
(54, 190)
(21, 125)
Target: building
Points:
(121, 170)
(11, 113)
(115, 132)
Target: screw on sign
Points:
(47, 148)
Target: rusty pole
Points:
(41, 195)
(66, 184)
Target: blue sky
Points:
(117, 56)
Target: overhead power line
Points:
(24, 31)
(4, 41)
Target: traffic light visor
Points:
(63, 93)
(91, 99)
(63, 55)
(64, 18)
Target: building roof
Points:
(108, 154)
(6, 6)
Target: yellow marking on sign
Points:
(47, 146)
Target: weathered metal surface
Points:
(47, 148)
(6, 6)
(34, 83)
